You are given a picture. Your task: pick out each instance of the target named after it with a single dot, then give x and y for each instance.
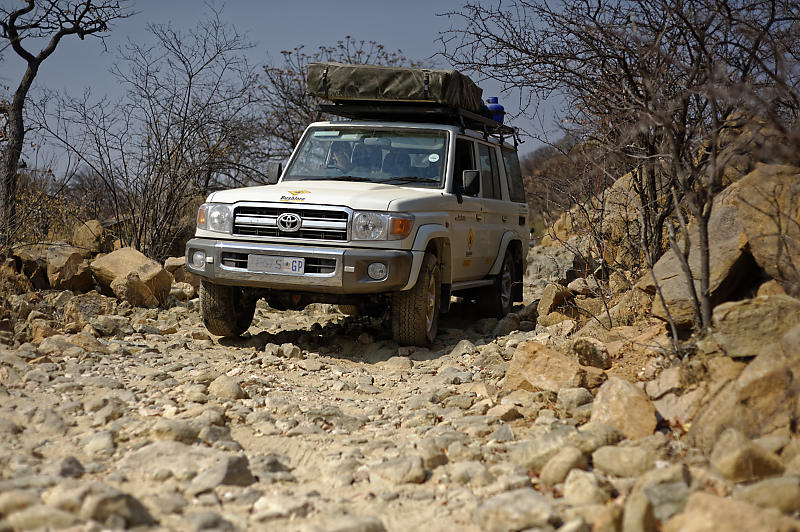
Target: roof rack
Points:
(420, 112)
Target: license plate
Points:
(276, 264)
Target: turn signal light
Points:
(400, 227)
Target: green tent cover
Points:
(345, 82)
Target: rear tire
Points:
(498, 299)
(415, 312)
(226, 310)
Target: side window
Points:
(490, 174)
(516, 188)
(465, 160)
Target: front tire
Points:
(415, 312)
(226, 310)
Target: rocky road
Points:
(128, 417)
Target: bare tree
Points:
(47, 22)
(188, 123)
(654, 83)
(289, 106)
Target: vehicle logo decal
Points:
(298, 192)
(470, 240)
(289, 222)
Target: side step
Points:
(465, 285)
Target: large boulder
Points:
(553, 297)
(34, 265)
(769, 209)
(177, 267)
(536, 367)
(745, 328)
(121, 263)
(89, 237)
(132, 289)
(730, 263)
(81, 309)
(68, 270)
(760, 400)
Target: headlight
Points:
(216, 217)
(381, 226)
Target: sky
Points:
(412, 26)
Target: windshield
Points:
(369, 154)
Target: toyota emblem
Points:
(289, 222)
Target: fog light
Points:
(199, 259)
(377, 271)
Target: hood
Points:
(359, 196)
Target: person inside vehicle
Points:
(366, 160)
(340, 153)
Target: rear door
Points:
(497, 211)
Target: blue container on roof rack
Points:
(496, 111)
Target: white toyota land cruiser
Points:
(399, 208)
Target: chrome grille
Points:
(317, 224)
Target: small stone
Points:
(625, 407)
(15, 500)
(271, 507)
(670, 380)
(502, 434)
(432, 455)
(463, 348)
(591, 352)
(39, 517)
(506, 412)
(782, 493)
(738, 459)
(534, 454)
(471, 473)
(558, 467)
(226, 388)
(174, 429)
(101, 443)
(507, 325)
(347, 523)
(582, 488)
(570, 399)
(115, 509)
(403, 470)
(232, 470)
(705, 511)
(514, 510)
(291, 351)
(205, 520)
(627, 461)
(310, 364)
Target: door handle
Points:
(479, 217)
(505, 218)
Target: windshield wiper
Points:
(352, 178)
(411, 179)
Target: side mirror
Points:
(471, 182)
(274, 170)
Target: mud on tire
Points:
(226, 310)
(415, 312)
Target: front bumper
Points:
(331, 270)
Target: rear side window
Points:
(490, 173)
(516, 189)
